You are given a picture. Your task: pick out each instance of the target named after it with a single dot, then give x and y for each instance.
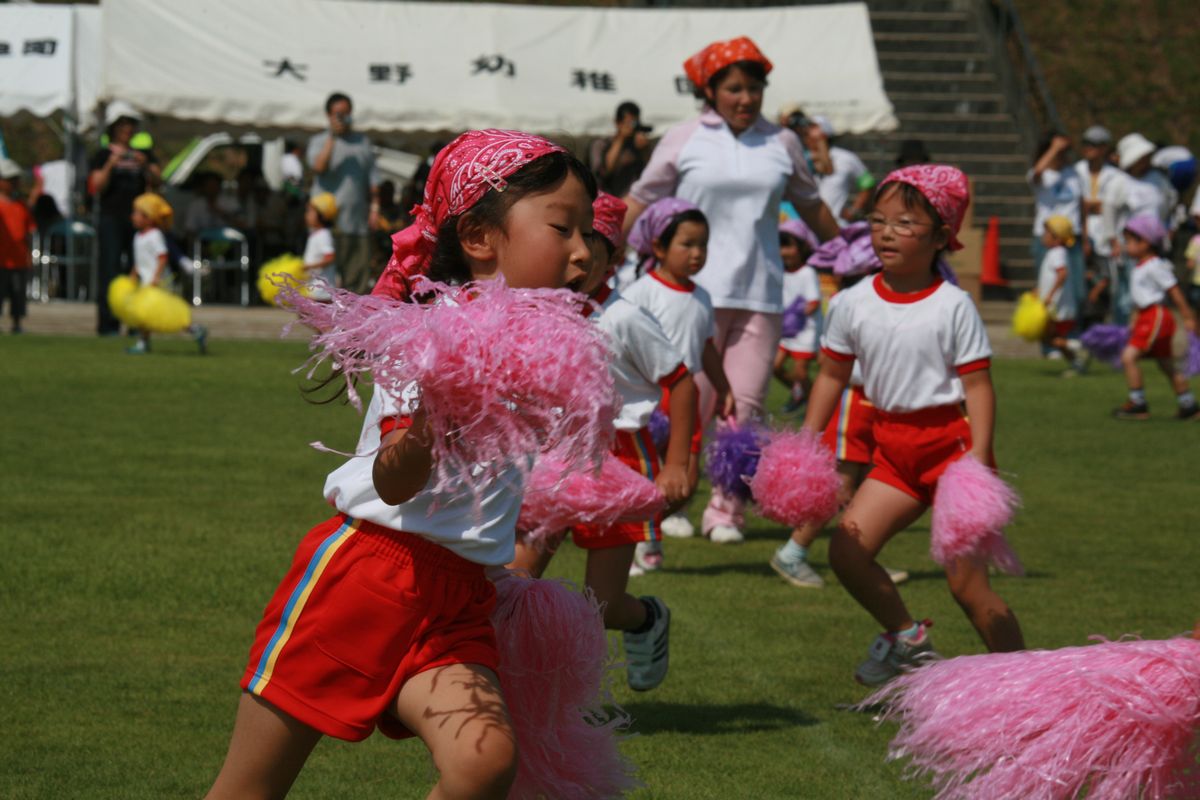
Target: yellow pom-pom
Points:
(1031, 317)
(120, 292)
(287, 268)
(157, 310)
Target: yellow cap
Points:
(325, 205)
(158, 210)
(1062, 229)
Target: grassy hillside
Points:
(1127, 64)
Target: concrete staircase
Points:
(944, 72)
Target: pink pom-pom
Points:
(554, 669)
(797, 480)
(503, 373)
(1110, 721)
(557, 499)
(971, 507)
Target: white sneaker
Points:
(677, 526)
(892, 654)
(648, 557)
(726, 534)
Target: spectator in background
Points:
(292, 168)
(1057, 191)
(843, 179)
(208, 207)
(343, 164)
(16, 226)
(391, 219)
(619, 159)
(1098, 179)
(116, 175)
(912, 151)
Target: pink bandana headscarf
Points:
(718, 55)
(608, 214)
(461, 174)
(945, 188)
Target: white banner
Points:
(452, 66)
(36, 58)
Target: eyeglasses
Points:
(905, 227)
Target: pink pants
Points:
(747, 341)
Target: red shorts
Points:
(798, 355)
(848, 433)
(635, 449)
(1152, 331)
(913, 450)
(697, 430)
(1059, 328)
(362, 609)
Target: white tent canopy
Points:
(49, 59)
(433, 66)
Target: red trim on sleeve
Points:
(673, 377)
(902, 297)
(389, 424)
(836, 356)
(973, 366)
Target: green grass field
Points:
(150, 506)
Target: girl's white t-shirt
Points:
(913, 347)
(685, 314)
(803, 283)
(643, 359)
(148, 245)
(483, 533)
(1063, 305)
(1149, 282)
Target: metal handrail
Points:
(1011, 21)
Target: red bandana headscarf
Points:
(718, 55)
(945, 188)
(461, 174)
(608, 214)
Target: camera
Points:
(640, 128)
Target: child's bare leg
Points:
(1178, 383)
(460, 714)
(877, 512)
(266, 752)
(533, 560)
(1133, 373)
(607, 575)
(989, 614)
(780, 369)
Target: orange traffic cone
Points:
(989, 273)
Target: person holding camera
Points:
(343, 164)
(618, 160)
(117, 173)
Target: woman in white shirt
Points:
(737, 167)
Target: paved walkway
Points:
(62, 318)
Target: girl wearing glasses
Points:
(923, 352)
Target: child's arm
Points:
(981, 412)
(1060, 277)
(1181, 305)
(673, 481)
(316, 266)
(404, 462)
(714, 370)
(158, 272)
(827, 390)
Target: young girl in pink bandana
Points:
(383, 619)
(924, 353)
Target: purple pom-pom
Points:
(794, 318)
(660, 430)
(1105, 342)
(848, 253)
(732, 457)
(1191, 362)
